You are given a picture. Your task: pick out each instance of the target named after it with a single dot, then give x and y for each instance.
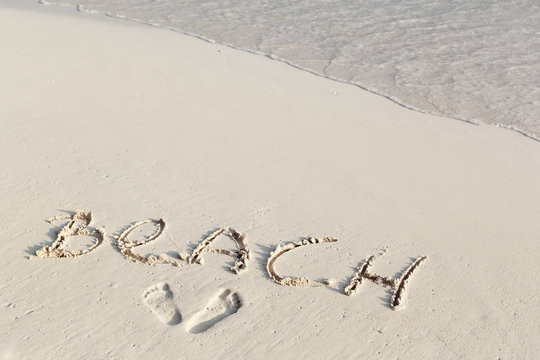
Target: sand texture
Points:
(163, 197)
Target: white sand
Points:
(132, 122)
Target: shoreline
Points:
(371, 89)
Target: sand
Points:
(200, 160)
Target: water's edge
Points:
(371, 89)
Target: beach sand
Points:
(131, 122)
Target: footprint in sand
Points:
(159, 299)
(225, 303)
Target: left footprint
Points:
(159, 299)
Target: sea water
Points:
(474, 60)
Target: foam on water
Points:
(477, 61)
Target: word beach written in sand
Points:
(78, 222)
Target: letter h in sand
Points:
(398, 285)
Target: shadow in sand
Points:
(263, 254)
(52, 233)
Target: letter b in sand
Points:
(75, 227)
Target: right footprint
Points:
(225, 303)
(159, 299)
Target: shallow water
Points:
(473, 60)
